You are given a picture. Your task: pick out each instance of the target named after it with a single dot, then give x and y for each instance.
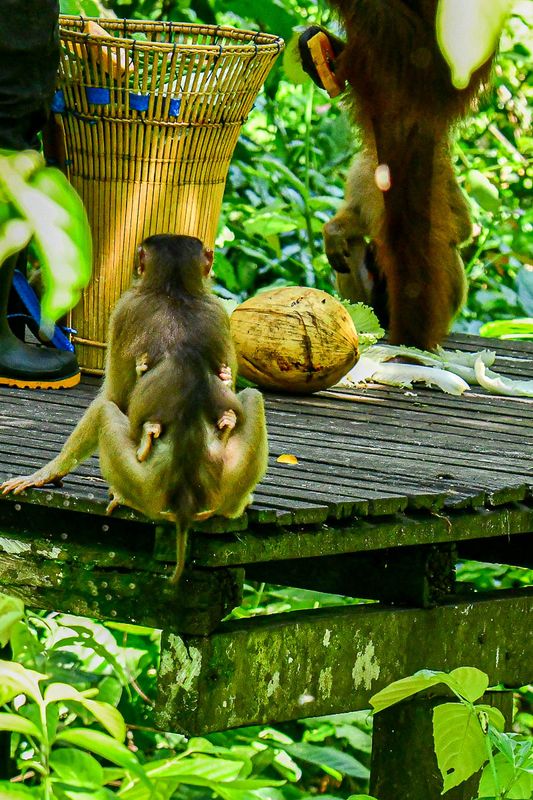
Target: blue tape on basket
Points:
(139, 102)
(58, 103)
(174, 107)
(96, 96)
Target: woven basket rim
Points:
(252, 41)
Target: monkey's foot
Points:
(227, 421)
(203, 515)
(151, 431)
(115, 501)
(226, 376)
(141, 364)
(22, 482)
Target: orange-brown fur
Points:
(405, 105)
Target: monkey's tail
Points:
(195, 474)
(416, 250)
(182, 538)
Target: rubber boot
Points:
(30, 366)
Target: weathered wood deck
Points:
(388, 451)
(390, 486)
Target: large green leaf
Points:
(467, 682)
(108, 716)
(18, 724)
(517, 784)
(468, 33)
(103, 745)
(328, 758)
(218, 774)
(472, 682)
(46, 202)
(407, 687)
(16, 679)
(77, 768)
(460, 744)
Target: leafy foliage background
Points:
(288, 172)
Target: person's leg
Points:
(29, 57)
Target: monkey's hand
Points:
(226, 375)
(338, 250)
(40, 478)
(151, 431)
(141, 364)
(227, 421)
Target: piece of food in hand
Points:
(294, 339)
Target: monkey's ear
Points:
(319, 50)
(141, 261)
(207, 265)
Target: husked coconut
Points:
(294, 339)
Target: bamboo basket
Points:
(148, 115)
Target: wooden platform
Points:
(389, 488)
(386, 451)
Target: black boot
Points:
(30, 366)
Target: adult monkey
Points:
(411, 209)
(211, 446)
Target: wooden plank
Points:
(419, 576)
(469, 342)
(325, 661)
(80, 576)
(272, 543)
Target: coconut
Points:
(294, 339)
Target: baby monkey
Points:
(175, 441)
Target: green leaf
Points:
(517, 784)
(103, 745)
(67, 792)
(364, 319)
(49, 205)
(77, 768)
(11, 611)
(509, 329)
(16, 791)
(203, 766)
(358, 739)
(468, 33)
(329, 759)
(472, 682)
(108, 716)
(406, 687)
(460, 743)
(16, 679)
(361, 797)
(18, 724)
(483, 191)
(292, 62)
(270, 224)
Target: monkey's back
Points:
(155, 325)
(394, 65)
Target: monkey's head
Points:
(174, 264)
